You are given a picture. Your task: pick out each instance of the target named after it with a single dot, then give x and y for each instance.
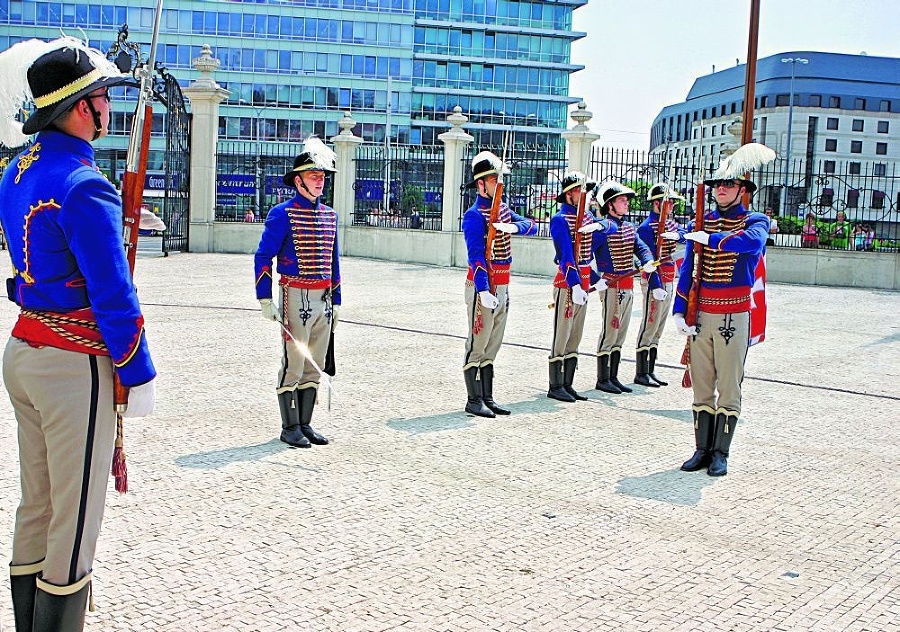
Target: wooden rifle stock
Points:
(492, 234)
(693, 302)
(579, 236)
(665, 209)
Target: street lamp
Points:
(793, 61)
(260, 184)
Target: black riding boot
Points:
(614, 359)
(569, 367)
(290, 421)
(725, 424)
(652, 370)
(22, 585)
(557, 378)
(307, 397)
(704, 430)
(487, 390)
(603, 383)
(60, 610)
(475, 402)
(642, 373)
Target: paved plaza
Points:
(570, 517)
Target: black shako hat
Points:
(610, 190)
(316, 156)
(571, 180)
(62, 76)
(484, 164)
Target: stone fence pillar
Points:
(345, 145)
(205, 95)
(455, 141)
(580, 139)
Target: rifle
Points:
(690, 317)
(495, 217)
(579, 237)
(132, 197)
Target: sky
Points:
(642, 55)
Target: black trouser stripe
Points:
(86, 474)
(471, 328)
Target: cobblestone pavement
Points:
(559, 517)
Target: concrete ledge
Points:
(534, 255)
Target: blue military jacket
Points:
(302, 237)
(63, 221)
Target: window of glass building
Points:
(883, 127)
(856, 147)
(858, 125)
(830, 144)
(881, 149)
(832, 123)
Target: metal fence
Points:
(250, 179)
(854, 205)
(393, 184)
(532, 184)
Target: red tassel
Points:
(652, 311)
(686, 379)
(686, 356)
(615, 322)
(478, 324)
(119, 467)
(568, 313)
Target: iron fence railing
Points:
(854, 205)
(250, 179)
(399, 187)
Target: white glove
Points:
(579, 296)
(671, 235)
(488, 300)
(506, 228)
(335, 314)
(269, 310)
(659, 294)
(701, 237)
(601, 285)
(682, 326)
(589, 228)
(141, 400)
(649, 267)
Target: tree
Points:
(411, 196)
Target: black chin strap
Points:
(98, 128)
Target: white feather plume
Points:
(14, 89)
(745, 159)
(320, 153)
(494, 161)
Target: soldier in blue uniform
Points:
(614, 254)
(733, 240)
(657, 301)
(301, 234)
(80, 322)
(487, 299)
(574, 276)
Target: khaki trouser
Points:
(616, 305)
(655, 315)
(63, 402)
(718, 352)
(567, 331)
(482, 347)
(308, 316)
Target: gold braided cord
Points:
(68, 90)
(55, 323)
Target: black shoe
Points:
(560, 393)
(718, 466)
(294, 437)
(644, 380)
(652, 371)
(477, 407)
(697, 462)
(571, 391)
(607, 387)
(496, 408)
(622, 388)
(603, 383)
(314, 437)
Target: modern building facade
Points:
(844, 120)
(400, 66)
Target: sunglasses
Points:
(105, 95)
(728, 184)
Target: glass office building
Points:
(294, 67)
